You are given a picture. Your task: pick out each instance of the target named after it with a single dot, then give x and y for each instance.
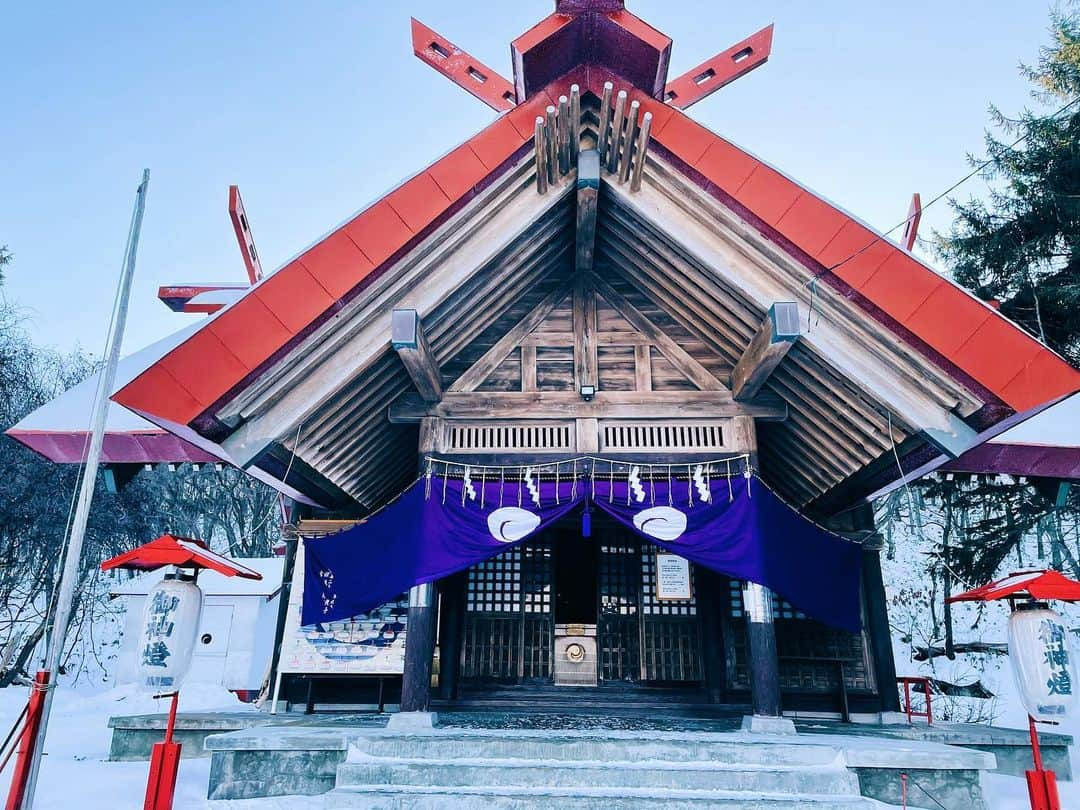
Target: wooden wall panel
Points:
(665, 377)
(616, 368)
(554, 368)
(506, 376)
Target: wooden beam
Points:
(539, 405)
(528, 367)
(676, 354)
(479, 371)
(587, 435)
(774, 338)
(408, 339)
(584, 320)
(643, 367)
(588, 186)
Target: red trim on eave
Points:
(135, 447)
(964, 335)
(1037, 461)
(246, 337)
(886, 282)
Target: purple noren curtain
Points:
(735, 526)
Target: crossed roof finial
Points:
(600, 33)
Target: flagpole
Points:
(73, 553)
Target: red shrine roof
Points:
(183, 552)
(588, 42)
(946, 323)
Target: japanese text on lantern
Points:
(1056, 657)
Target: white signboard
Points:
(369, 644)
(672, 577)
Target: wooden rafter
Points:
(409, 341)
(676, 354)
(479, 371)
(774, 338)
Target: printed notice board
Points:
(672, 577)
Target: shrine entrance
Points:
(602, 587)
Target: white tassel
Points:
(634, 484)
(702, 486)
(467, 488)
(534, 491)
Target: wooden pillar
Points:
(761, 637)
(451, 631)
(877, 625)
(419, 649)
(712, 590)
(758, 609)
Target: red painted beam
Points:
(722, 69)
(200, 298)
(242, 228)
(462, 69)
(911, 226)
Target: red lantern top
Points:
(180, 551)
(1025, 585)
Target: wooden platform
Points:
(613, 700)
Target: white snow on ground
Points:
(75, 767)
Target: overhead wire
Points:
(975, 171)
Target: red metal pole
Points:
(172, 717)
(1036, 753)
(164, 764)
(24, 762)
(1042, 784)
(929, 708)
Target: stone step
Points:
(555, 798)
(619, 746)
(813, 779)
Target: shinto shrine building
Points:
(594, 305)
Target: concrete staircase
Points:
(516, 770)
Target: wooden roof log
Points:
(774, 338)
(409, 341)
(588, 186)
(544, 405)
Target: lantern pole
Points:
(1042, 784)
(73, 554)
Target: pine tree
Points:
(1021, 247)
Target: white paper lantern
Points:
(170, 626)
(1042, 660)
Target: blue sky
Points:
(315, 109)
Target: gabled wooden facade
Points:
(596, 274)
